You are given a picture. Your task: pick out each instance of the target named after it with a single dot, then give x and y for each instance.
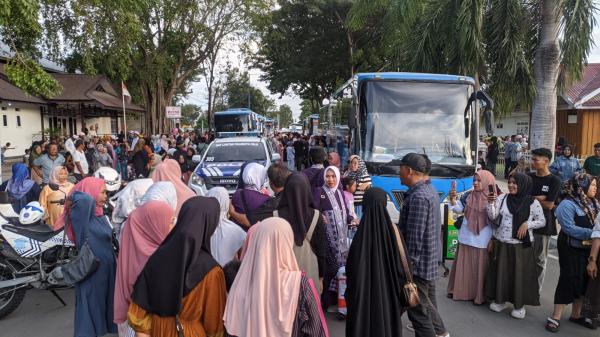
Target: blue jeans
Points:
(123, 170)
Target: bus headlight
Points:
(197, 180)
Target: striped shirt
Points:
(359, 194)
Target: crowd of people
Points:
(313, 236)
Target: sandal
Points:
(552, 325)
(583, 321)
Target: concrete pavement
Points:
(41, 315)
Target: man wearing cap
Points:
(420, 222)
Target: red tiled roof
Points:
(590, 82)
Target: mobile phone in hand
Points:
(453, 185)
(491, 189)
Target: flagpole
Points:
(124, 113)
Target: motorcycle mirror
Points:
(54, 187)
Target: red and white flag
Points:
(125, 93)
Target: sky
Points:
(199, 91)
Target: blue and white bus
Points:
(395, 114)
(237, 122)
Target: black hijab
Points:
(519, 205)
(374, 273)
(296, 205)
(181, 262)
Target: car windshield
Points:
(231, 123)
(404, 117)
(236, 151)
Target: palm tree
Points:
(522, 48)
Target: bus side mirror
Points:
(487, 111)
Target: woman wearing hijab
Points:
(511, 275)
(49, 199)
(161, 191)
(169, 171)
(374, 273)
(146, 229)
(576, 215)
(20, 188)
(336, 217)
(228, 237)
(127, 200)
(270, 295)
(141, 160)
(87, 224)
(181, 158)
(36, 172)
(296, 206)
(493, 151)
(467, 278)
(357, 170)
(181, 283)
(249, 197)
(566, 166)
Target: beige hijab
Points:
(264, 296)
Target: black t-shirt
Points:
(550, 187)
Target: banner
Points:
(173, 112)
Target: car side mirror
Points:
(196, 158)
(276, 157)
(54, 187)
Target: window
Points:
(18, 121)
(4, 120)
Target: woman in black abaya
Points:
(374, 274)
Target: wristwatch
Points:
(591, 259)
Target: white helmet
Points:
(112, 178)
(31, 213)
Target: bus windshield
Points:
(402, 117)
(231, 123)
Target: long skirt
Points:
(511, 275)
(573, 279)
(467, 277)
(591, 302)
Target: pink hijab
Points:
(169, 170)
(477, 201)
(91, 186)
(146, 229)
(264, 296)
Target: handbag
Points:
(409, 290)
(498, 221)
(579, 244)
(459, 221)
(80, 267)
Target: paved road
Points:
(41, 315)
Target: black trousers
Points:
(507, 167)
(299, 163)
(425, 317)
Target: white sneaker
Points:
(518, 313)
(498, 307)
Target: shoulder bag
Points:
(80, 267)
(498, 221)
(409, 290)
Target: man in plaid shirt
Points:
(420, 222)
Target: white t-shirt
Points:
(80, 157)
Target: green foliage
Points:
(308, 108)
(20, 30)
(190, 114)
(285, 115)
(27, 74)
(492, 40)
(306, 47)
(238, 91)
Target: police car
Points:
(223, 159)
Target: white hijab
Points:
(129, 199)
(228, 237)
(254, 176)
(161, 191)
(340, 212)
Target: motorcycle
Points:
(28, 253)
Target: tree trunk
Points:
(546, 69)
